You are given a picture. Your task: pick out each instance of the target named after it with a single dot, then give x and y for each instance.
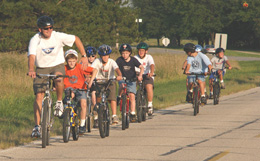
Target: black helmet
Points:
(125, 47)
(44, 21)
(189, 47)
(142, 45)
(104, 50)
(218, 50)
(90, 51)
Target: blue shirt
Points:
(199, 63)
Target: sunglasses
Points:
(91, 56)
(48, 28)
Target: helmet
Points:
(44, 21)
(218, 50)
(71, 51)
(142, 45)
(198, 48)
(104, 50)
(125, 47)
(189, 47)
(90, 51)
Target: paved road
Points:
(229, 131)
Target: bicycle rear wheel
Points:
(216, 90)
(66, 125)
(139, 108)
(101, 120)
(123, 111)
(195, 101)
(44, 124)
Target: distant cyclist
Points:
(92, 56)
(197, 63)
(148, 63)
(46, 52)
(218, 61)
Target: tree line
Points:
(114, 21)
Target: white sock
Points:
(203, 95)
(211, 93)
(205, 90)
(133, 113)
(221, 81)
(113, 115)
(191, 90)
(82, 122)
(150, 104)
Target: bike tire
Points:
(139, 108)
(101, 121)
(66, 125)
(195, 101)
(90, 119)
(216, 89)
(75, 128)
(50, 112)
(44, 124)
(107, 114)
(144, 107)
(123, 111)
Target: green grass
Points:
(242, 54)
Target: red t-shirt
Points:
(77, 74)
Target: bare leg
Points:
(37, 106)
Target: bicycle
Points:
(71, 120)
(103, 108)
(196, 95)
(89, 117)
(124, 105)
(47, 118)
(141, 101)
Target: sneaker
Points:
(189, 97)
(150, 111)
(115, 120)
(203, 100)
(222, 85)
(207, 96)
(82, 129)
(36, 133)
(118, 100)
(58, 109)
(210, 96)
(132, 118)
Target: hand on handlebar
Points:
(118, 78)
(32, 74)
(140, 78)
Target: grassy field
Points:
(16, 96)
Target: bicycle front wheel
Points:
(89, 119)
(75, 126)
(139, 108)
(144, 107)
(107, 128)
(196, 100)
(123, 111)
(45, 121)
(66, 125)
(101, 120)
(216, 91)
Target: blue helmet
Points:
(198, 48)
(104, 50)
(90, 51)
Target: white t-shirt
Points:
(147, 61)
(49, 52)
(107, 71)
(218, 63)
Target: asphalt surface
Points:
(225, 132)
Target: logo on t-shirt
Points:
(195, 64)
(126, 68)
(48, 50)
(73, 79)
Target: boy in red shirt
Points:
(75, 70)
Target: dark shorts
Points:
(39, 84)
(148, 80)
(79, 95)
(215, 73)
(111, 93)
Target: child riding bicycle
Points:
(106, 68)
(218, 62)
(127, 66)
(148, 63)
(196, 63)
(75, 70)
(92, 56)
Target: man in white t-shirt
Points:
(148, 63)
(46, 53)
(106, 69)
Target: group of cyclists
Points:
(45, 51)
(197, 62)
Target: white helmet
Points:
(71, 51)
